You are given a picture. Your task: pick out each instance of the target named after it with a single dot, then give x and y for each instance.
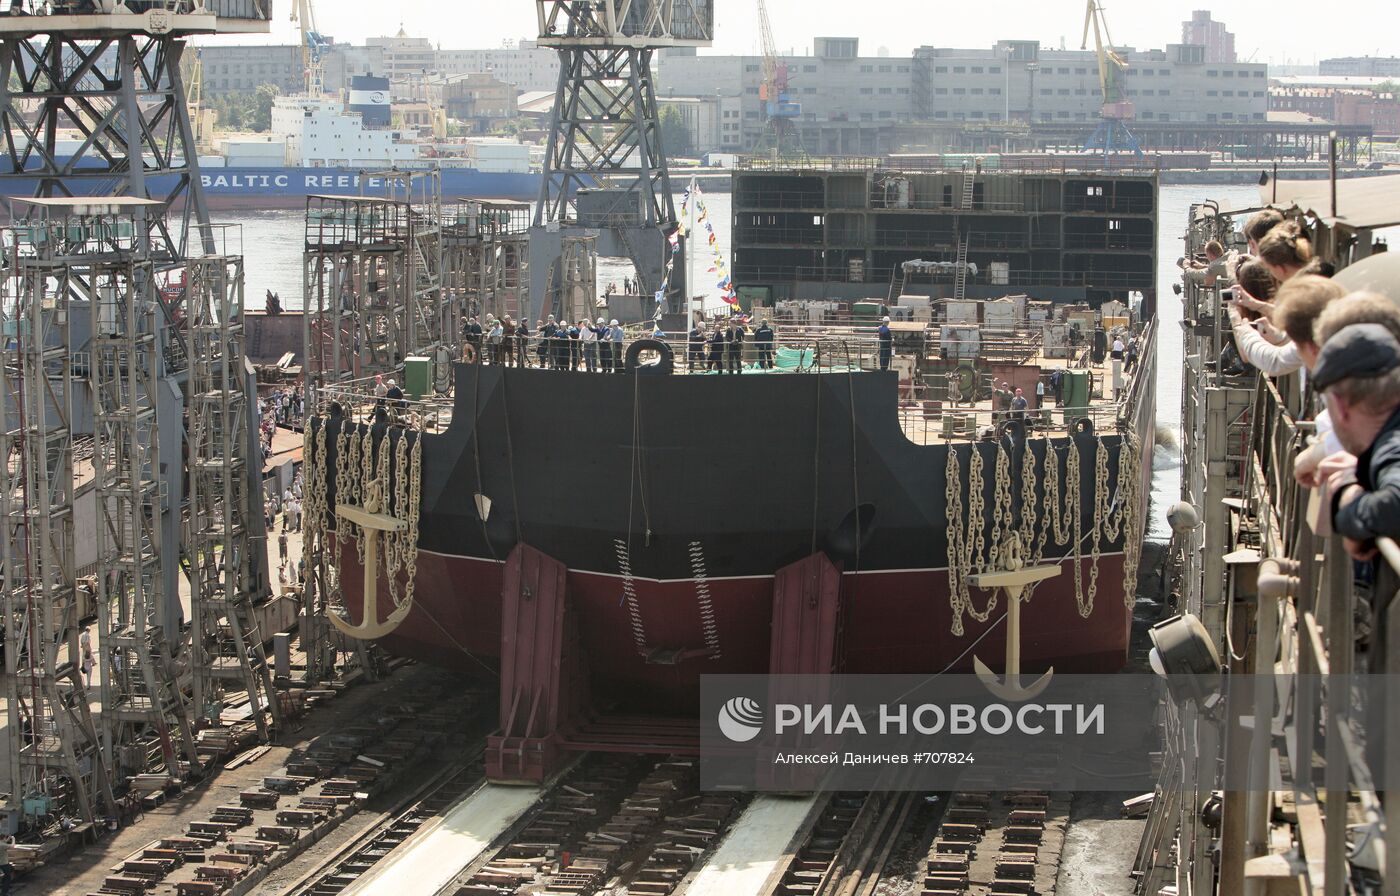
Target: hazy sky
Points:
(1264, 31)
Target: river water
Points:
(272, 243)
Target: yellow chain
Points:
(957, 562)
(415, 504)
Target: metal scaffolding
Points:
(56, 763)
(373, 281)
(226, 541)
(145, 717)
(607, 127)
(486, 258)
(374, 296)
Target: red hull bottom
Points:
(892, 622)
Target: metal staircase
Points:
(960, 271)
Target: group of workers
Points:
(560, 345)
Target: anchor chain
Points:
(1061, 522)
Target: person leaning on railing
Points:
(1358, 370)
(1325, 455)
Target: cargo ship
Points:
(599, 542)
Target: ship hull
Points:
(673, 502)
(893, 621)
(232, 189)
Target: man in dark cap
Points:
(1358, 370)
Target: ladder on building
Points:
(960, 269)
(145, 715)
(225, 540)
(897, 278)
(968, 185)
(56, 766)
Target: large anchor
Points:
(1014, 580)
(373, 523)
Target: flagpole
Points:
(689, 290)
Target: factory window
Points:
(1081, 71)
(750, 68)
(1212, 93)
(1083, 116)
(752, 91)
(1081, 92)
(1229, 93)
(886, 114)
(1212, 73)
(1164, 93)
(1164, 117)
(976, 113)
(1148, 72)
(866, 69)
(1227, 115)
(886, 90)
(1063, 114)
(1149, 92)
(1147, 116)
(1046, 91)
(994, 116)
(940, 114)
(940, 70)
(1165, 72)
(1093, 191)
(960, 116)
(977, 91)
(977, 69)
(1132, 93)
(1258, 93)
(1062, 71)
(1228, 74)
(1115, 224)
(809, 90)
(866, 90)
(867, 116)
(1259, 73)
(994, 91)
(1064, 91)
(903, 90)
(1259, 116)
(1046, 116)
(809, 69)
(903, 69)
(959, 69)
(885, 69)
(994, 70)
(959, 91)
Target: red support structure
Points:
(543, 680)
(805, 641)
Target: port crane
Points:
(1112, 135)
(313, 47)
(780, 137)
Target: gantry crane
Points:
(1112, 135)
(779, 111)
(313, 47)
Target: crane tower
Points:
(605, 165)
(1112, 135)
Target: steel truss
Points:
(225, 514)
(607, 127)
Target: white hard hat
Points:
(887, 318)
(600, 320)
(613, 322)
